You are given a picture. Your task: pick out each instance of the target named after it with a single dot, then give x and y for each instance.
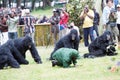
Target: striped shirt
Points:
(29, 24)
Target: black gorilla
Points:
(23, 44)
(7, 51)
(12, 53)
(98, 47)
(69, 41)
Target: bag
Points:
(112, 24)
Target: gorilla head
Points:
(73, 34)
(108, 36)
(28, 42)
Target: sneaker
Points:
(54, 62)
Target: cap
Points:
(118, 5)
(27, 11)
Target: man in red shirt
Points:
(64, 17)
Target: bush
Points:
(74, 8)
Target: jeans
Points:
(12, 35)
(95, 27)
(88, 32)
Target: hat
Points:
(118, 5)
(27, 11)
(54, 10)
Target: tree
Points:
(33, 4)
(4, 3)
(74, 8)
(18, 3)
(46, 3)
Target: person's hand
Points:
(85, 10)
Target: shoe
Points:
(54, 62)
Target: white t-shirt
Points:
(118, 17)
(74, 27)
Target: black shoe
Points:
(54, 62)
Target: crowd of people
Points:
(9, 21)
(65, 35)
(10, 18)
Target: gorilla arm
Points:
(18, 55)
(35, 54)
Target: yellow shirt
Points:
(87, 21)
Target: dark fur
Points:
(25, 43)
(7, 51)
(12, 53)
(67, 42)
(98, 47)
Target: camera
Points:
(86, 9)
(111, 50)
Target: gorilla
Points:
(69, 41)
(99, 47)
(12, 53)
(25, 43)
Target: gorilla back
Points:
(25, 43)
(69, 41)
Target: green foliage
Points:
(75, 7)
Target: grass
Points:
(41, 12)
(86, 69)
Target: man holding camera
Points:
(109, 19)
(88, 16)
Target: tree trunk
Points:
(33, 4)
(46, 3)
(4, 3)
(9, 3)
(18, 3)
(24, 3)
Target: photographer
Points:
(12, 22)
(112, 24)
(88, 16)
(54, 20)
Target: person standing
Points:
(109, 19)
(64, 17)
(88, 16)
(118, 19)
(29, 28)
(72, 26)
(96, 21)
(12, 22)
(54, 20)
(106, 13)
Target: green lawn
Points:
(86, 69)
(41, 12)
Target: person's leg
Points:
(91, 33)
(15, 35)
(96, 29)
(116, 34)
(32, 36)
(118, 25)
(10, 35)
(85, 33)
(4, 37)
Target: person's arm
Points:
(105, 16)
(90, 14)
(82, 16)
